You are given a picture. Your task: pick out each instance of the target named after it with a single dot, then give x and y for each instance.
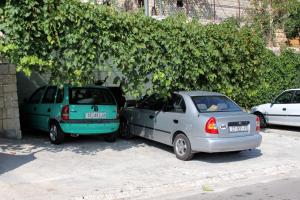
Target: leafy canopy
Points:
(72, 40)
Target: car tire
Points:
(262, 120)
(112, 137)
(56, 135)
(182, 147)
(125, 130)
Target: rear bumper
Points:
(211, 145)
(89, 128)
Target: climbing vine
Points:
(71, 40)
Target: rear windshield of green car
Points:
(91, 96)
(215, 104)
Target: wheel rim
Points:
(181, 147)
(53, 132)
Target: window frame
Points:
(182, 100)
(192, 98)
(35, 92)
(141, 106)
(285, 92)
(45, 93)
(70, 98)
(294, 95)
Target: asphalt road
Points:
(285, 189)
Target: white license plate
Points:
(234, 129)
(95, 115)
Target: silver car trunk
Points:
(233, 124)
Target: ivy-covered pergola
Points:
(70, 40)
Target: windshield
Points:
(92, 96)
(215, 104)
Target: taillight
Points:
(65, 113)
(257, 124)
(211, 126)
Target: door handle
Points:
(49, 110)
(151, 116)
(284, 109)
(34, 108)
(175, 121)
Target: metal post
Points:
(187, 7)
(214, 2)
(160, 8)
(146, 4)
(239, 3)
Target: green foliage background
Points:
(71, 40)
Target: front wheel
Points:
(182, 148)
(262, 120)
(55, 134)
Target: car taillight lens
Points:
(257, 124)
(65, 113)
(211, 126)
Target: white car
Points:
(284, 110)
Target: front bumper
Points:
(212, 145)
(83, 127)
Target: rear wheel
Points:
(56, 135)
(182, 147)
(262, 120)
(112, 137)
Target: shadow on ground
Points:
(84, 145)
(10, 162)
(284, 128)
(19, 152)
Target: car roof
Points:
(293, 89)
(200, 93)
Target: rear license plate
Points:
(234, 129)
(95, 115)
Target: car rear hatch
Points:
(234, 124)
(91, 104)
(223, 117)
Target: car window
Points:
(60, 96)
(154, 102)
(99, 96)
(296, 98)
(215, 104)
(37, 95)
(285, 97)
(175, 104)
(49, 96)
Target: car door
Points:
(145, 116)
(30, 110)
(294, 110)
(279, 111)
(46, 106)
(169, 119)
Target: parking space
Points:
(89, 167)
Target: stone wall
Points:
(9, 109)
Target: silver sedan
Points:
(192, 122)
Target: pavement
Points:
(90, 168)
(284, 189)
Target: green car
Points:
(71, 110)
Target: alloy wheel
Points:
(53, 132)
(181, 147)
